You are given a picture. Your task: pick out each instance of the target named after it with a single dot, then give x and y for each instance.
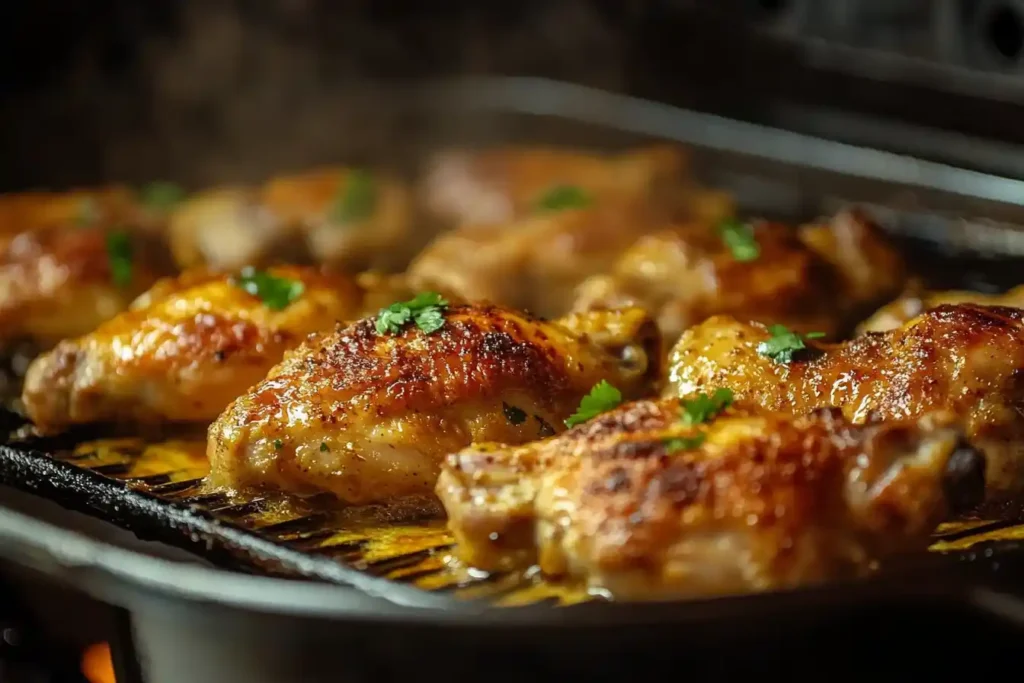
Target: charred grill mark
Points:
(175, 487)
(310, 522)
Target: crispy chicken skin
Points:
(768, 500)
(914, 303)
(296, 218)
(57, 282)
(503, 184)
(369, 416)
(818, 278)
(105, 206)
(182, 352)
(966, 359)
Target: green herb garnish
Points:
(702, 408)
(602, 397)
(784, 343)
(683, 443)
(740, 239)
(119, 254)
(87, 212)
(357, 198)
(426, 309)
(161, 196)
(323, 447)
(278, 444)
(562, 197)
(276, 293)
(516, 416)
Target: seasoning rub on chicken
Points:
(186, 348)
(965, 359)
(658, 499)
(368, 411)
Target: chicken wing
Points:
(347, 218)
(966, 359)
(913, 304)
(819, 277)
(642, 506)
(368, 416)
(186, 348)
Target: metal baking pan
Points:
(958, 225)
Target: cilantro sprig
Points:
(563, 197)
(357, 198)
(602, 398)
(426, 310)
(698, 410)
(683, 443)
(119, 254)
(740, 239)
(785, 343)
(276, 293)
(161, 196)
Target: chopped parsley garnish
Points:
(87, 212)
(161, 196)
(683, 443)
(278, 444)
(357, 198)
(323, 447)
(276, 293)
(516, 416)
(426, 309)
(702, 408)
(784, 343)
(602, 397)
(119, 254)
(740, 239)
(562, 197)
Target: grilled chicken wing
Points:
(633, 504)
(913, 304)
(818, 278)
(185, 349)
(966, 359)
(369, 416)
(340, 217)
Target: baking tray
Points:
(967, 235)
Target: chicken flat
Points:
(818, 278)
(348, 218)
(367, 412)
(639, 504)
(186, 348)
(966, 359)
(913, 304)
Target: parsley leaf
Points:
(740, 239)
(703, 407)
(119, 254)
(278, 444)
(426, 309)
(562, 197)
(784, 343)
(516, 416)
(161, 196)
(357, 198)
(324, 447)
(683, 443)
(602, 397)
(276, 293)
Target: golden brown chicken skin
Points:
(369, 416)
(505, 184)
(914, 303)
(965, 359)
(633, 504)
(818, 278)
(27, 211)
(184, 350)
(342, 217)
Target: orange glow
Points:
(97, 665)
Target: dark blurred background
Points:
(204, 90)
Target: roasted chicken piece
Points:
(966, 359)
(186, 348)
(817, 278)
(505, 184)
(348, 218)
(640, 505)
(369, 415)
(914, 303)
